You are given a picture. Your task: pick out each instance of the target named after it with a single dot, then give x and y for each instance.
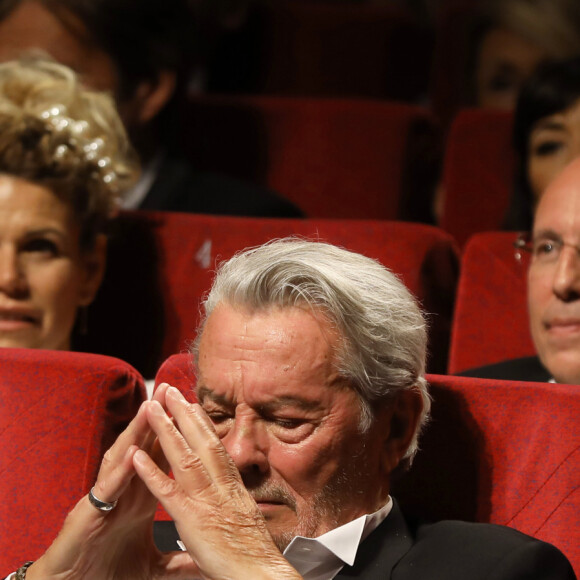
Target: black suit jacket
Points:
(177, 187)
(519, 369)
(447, 550)
(453, 550)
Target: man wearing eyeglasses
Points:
(553, 288)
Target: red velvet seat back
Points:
(60, 412)
(333, 158)
(187, 248)
(478, 174)
(501, 452)
(490, 323)
(494, 451)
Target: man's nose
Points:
(12, 276)
(566, 282)
(247, 445)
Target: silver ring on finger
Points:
(103, 506)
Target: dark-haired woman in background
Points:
(546, 135)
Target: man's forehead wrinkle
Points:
(256, 358)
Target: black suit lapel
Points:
(171, 179)
(380, 552)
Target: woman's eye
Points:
(42, 246)
(547, 148)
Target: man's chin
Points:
(281, 537)
(564, 366)
(281, 523)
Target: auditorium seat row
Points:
(494, 451)
(160, 264)
(346, 48)
(359, 159)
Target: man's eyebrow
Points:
(547, 234)
(268, 406)
(206, 393)
(291, 401)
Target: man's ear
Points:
(94, 262)
(400, 421)
(149, 99)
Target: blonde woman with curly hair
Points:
(65, 162)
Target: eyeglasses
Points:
(543, 250)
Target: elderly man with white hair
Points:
(311, 392)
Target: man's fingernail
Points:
(175, 393)
(140, 457)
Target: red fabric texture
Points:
(490, 323)
(478, 173)
(60, 412)
(187, 249)
(335, 158)
(178, 371)
(501, 452)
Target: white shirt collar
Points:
(322, 558)
(134, 197)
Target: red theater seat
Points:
(478, 173)
(152, 296)
(178, 371)
(501, 452)
(60, 412)
(333, 158)
(490, 323)
(494, 451)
